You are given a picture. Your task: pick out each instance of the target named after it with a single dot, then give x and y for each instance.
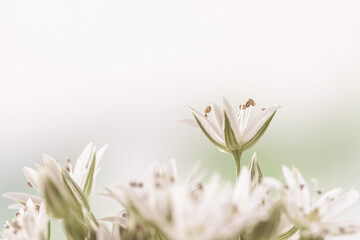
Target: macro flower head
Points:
(231, 129)
(314, 216)
(195, 209)
(31, 223)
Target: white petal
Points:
(242, 188)
(32, 177)
(16, 206)
(342, 203)
(190, 122)
(81, 162)
(209, 126)
(103, 233)
(115, 219)
(255, 124)
(171, 171)
(22, 197)
(219, 116)
(99, 155)
(340, 227)
(232, 118)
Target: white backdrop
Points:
(121, 72)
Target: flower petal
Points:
(23, 197)
(209, 126)
(81, 163)
(32, 177)
(260, 122)
(190, 122)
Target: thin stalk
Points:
(237, 156)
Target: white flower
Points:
(315, 217)
(80, 174)
(31, 223)
(192, 209)
(230, 129)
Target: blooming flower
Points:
(80, 174)
(230, 130)
(315, 217)
(192, 209)
(30, 223)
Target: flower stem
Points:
(237, 156)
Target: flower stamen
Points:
(207, 110)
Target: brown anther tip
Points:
(206, 115)
(57, 161)
(6, 226)
(252, 102)
(263, 109)
(29, 184)
(68, 160)
(37, 207)
(124, 215)
(302, 186)
(67, 169)
(17, 214)
(319, 192)
(247, 104)
(207, 109)
(140, 184)
(133, 184)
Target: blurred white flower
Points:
(192, 209)
(315, 217)
(30, 223)
(86, 165)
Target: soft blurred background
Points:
(121, 72)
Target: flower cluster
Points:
(199, 206)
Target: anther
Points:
(243, 106)
(29, 184)
(68, 160)
(252, 102)
(124, 215)
(302, 186)
(207, 110)
(67, 168)
(263, 109)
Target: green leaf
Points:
(259, 134)
(230, 139)
(209, 136)
(90, 178)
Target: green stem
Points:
(237, 156)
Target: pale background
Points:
(121, 72)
